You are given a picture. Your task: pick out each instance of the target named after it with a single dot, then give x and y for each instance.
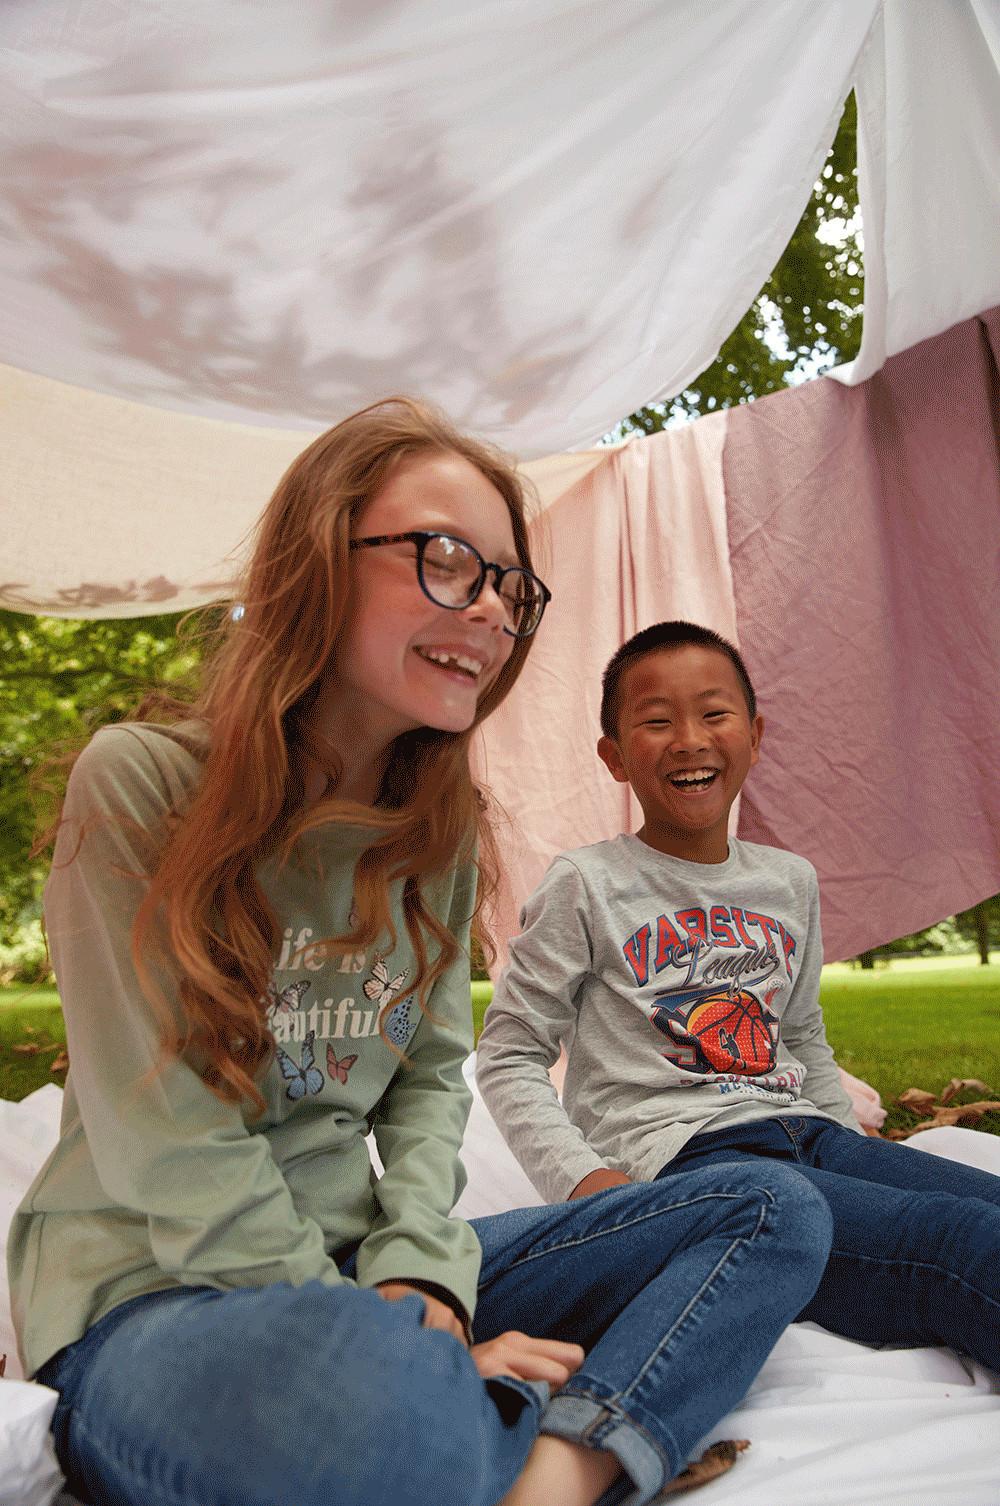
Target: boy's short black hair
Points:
(664, 635)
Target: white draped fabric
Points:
(540, 213)
(929, 183)
(222, 227)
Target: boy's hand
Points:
(437, 1314)
(517, 1355)
(596, 1181)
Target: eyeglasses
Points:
(452, 574)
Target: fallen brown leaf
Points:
(27, 1048)
(715, 1461)
(951, 1116)
(61, 1063)
(978, 1109)
(3, 1365)
(919, 1100)
(964, 1084)
(960, 1114)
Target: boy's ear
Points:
(756, 733)
(610, 754)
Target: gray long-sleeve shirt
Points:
(687, 995)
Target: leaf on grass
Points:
(970, 1111)
(61, 1063)
(27, 1048)
(715, 1461)
(964, 1084)
(978, 1109)
(919, 1100)
(960, 1114)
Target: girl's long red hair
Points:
(204, 914)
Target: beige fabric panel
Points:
(119, 509)
(639, 539)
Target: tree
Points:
(807, 316)
(981, 924)
(60, 680)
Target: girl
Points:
(259, 914)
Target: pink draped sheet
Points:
(641, 537)
(864, 532)
(848, 537)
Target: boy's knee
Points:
(766, 1197)
(802, 1210)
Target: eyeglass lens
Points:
(452, 576)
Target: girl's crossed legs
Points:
(678, 1290)
(916, 1239)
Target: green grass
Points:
(482, 993)
(914, 1023)
(917, 1025)
(16, 995)
(29, 1016)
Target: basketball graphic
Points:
(727, 1031)
(735, 1032)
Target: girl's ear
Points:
(610, 754)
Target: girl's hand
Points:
(596, 1181)
(517, 1355)
(437, 1314)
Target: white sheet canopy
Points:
(223, 227)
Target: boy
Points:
(681, 968)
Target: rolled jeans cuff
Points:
(598, 1422)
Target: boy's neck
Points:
(698, 847)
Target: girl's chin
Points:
(438, 719)
(451, 723)
(453, 713)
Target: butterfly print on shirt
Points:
(283, 1001)
(380, 988)
(338, 1069)
(397, 1023)
(307, 1079)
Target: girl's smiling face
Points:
(385, 679)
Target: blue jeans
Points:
(331, 1396)
(916, 1239)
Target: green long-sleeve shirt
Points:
(155, 1183)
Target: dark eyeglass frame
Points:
(422, 537)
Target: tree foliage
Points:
(59, 680)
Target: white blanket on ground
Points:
(831, 1423)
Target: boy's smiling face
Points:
(685, 744)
